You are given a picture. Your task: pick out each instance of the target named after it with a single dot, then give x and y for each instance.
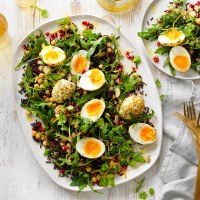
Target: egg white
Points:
(81, 143)
(81, 53)
(85, 114)
(134, 132)
(86, 83)
(165, 41)
(181, 51)
(49, 61)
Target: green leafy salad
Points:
(90, 112)
(178, 35)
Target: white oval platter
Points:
(152, 100)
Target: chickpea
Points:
(40, 67)
(41, 75)
(62, 144)
(100, 66)
(44, 137)
(73, 135)
(38, 135)
(88, 169)
(40, 81)
(34, 133)
(53, 42)
(36, 78)
(47, 99)
(36, 86)
(41, 86)
(69, 145)
(109, 44)
(27, 52)
(94, 179)
(54, 105)
(45, 143)
(51, 99)
(109, 50)
(68, 151)
(47, 92)
(64, 139)
(76, 125)
(197, 21)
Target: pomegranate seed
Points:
(76, 131)
(37, 36)
(198, 3)
(191, 6)
(62, 171)
(53, 36)
(197, 15)
(159, 21)
(56, 34)
(60, 38)
(134, 69)
(156, 59)
(24, 46)
(83, 71)
(64, 148)
(158, 44)
(121, 122)
(130, 57)
(120, 70)
(85, 23)
(61, 31)
(47, 33)
(177, 4)
(90, 26)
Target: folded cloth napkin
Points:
(179, 168)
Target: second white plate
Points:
(153, 12)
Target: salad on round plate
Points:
(90, 113)
(177, 35)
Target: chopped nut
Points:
(196, 8)
(147, 159)
(192, 13)
(117, 92)
(116, 119)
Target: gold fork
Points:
(193, 124)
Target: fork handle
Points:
(197, 185)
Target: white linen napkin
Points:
(178, 171)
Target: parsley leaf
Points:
(151, 191)
(162, 97)
(137, 59)
(143, 195)
(158, 84)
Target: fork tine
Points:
(198, 120)
(192, 110)
(188, 111)
(184, 108)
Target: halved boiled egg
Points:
(172, 37)
(80, 63)
(93, 109)
(92, 80)
(90, 147)
(180, 59)
(52, 55)
(142, 133)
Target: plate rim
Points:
(160, 121)
(146, 52)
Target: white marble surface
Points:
(21, 177)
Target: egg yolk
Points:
(80, 64)
(94, 108)
(173, 34)
(52, 55)
(181, 62)
(96, 77)
(147, 134)
(92, 148)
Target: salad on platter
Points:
(89, 113)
